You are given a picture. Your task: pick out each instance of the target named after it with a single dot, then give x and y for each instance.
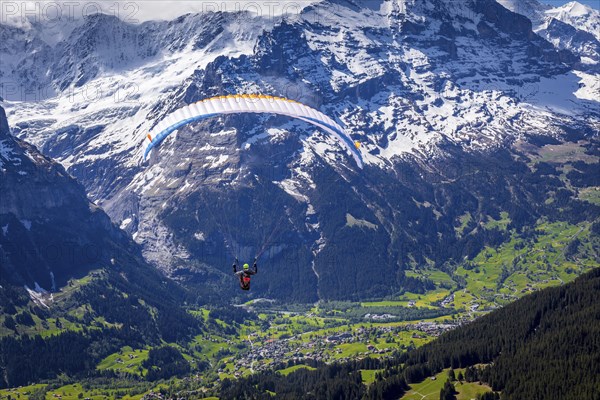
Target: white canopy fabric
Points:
(248, 103)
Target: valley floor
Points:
(264, 335)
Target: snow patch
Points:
(26, 223)
(248, 143)
(589, 87)
(38, 295)
(215, 161)
(560, 94)
(185, 186)
(290, 187)
(199, 236)
(39, 289)
(125, 223)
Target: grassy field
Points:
(430, 389)
(469, 391)
(436, 276)
(565, 153)
(368, 375)
(350, 349)
(68, 392)
(590, 194)
(289, 370)
(20, 393)
(127, 360)
(426, 300)
(500, 224)
(463, 221)
(72, 392)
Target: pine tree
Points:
(448, 392)
(451, 375)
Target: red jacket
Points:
(244, 275)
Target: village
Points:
(379, 341)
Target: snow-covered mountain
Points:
(423, 85)
(573, 26)
(579, 16)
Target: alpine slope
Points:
(416, 82)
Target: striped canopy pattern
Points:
(248, 103)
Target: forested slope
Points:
(74, 288)
(546, 345)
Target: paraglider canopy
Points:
(248, 103)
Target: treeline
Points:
(335, 382)
(165, 362)
(584, 174)
(27, 359)
(171, 322)
(356, 313)
(144, 317)
(543, 346)
(231, 315)
(11, 297)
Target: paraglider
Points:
(248, 103)
(245, 274)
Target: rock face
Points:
(50, 231)
(436, 91)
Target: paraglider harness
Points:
(245, 274)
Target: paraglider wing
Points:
(234, 104)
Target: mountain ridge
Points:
(418, 84)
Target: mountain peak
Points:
(101, 17)
(579, 16)
(577, 9)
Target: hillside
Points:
(74, 288)
(545, 345)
